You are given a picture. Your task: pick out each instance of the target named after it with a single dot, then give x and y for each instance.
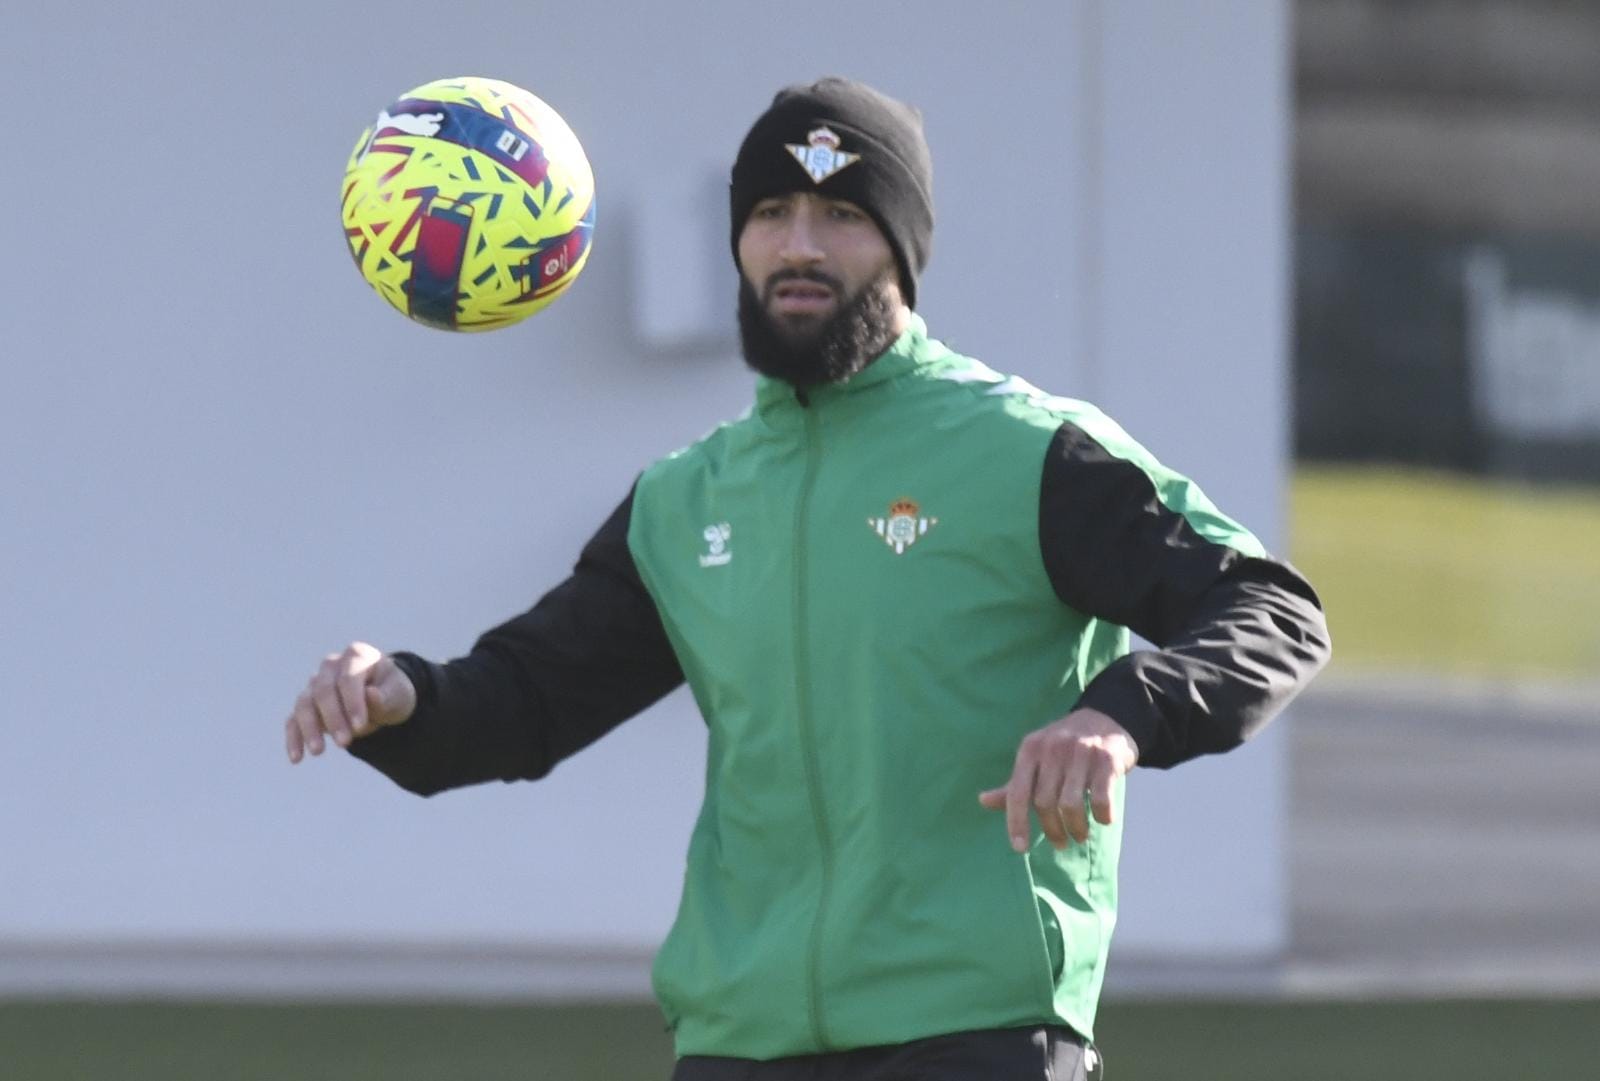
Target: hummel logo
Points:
(716, 538)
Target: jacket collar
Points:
(775, 397)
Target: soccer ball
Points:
(469, 204)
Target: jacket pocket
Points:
(1050, 924)
(1038, 930)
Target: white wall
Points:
(1191, 308)
(221, 455)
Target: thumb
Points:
(994, 799)
(377, 701)
(390, 696)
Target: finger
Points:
(333, 693)
(305, 720)
(1019, 799)
(1101, 779)
(375, 712)
(350, 687)
(994, 799)
(1053, 824)
(329, 710)
(291, 740)
(1047, 800)
(1070, 800)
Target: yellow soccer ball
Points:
(469, 204)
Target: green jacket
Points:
(874, 591)
(856, 592)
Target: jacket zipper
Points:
(808, 745)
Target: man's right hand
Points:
(352, 694)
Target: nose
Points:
(799, 247)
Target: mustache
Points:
(793, 274)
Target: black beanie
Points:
(843, 140)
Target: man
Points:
(900, 589)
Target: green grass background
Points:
(1184, 1041)
(1440, 574)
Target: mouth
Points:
(801, 298)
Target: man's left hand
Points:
(1057, 767)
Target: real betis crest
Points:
(822, 158)
(904, 525)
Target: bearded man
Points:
(901, 589)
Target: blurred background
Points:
(1339, 260)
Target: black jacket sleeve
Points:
(1238, 635)
(539, 687)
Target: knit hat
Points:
(843, 140)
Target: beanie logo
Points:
(822, 158)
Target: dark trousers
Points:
(1042, 1053)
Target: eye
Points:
(769, 211)
(845, 212)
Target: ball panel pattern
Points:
(469, 204)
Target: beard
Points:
(806, 353)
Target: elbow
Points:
(1306, 623)
(1291, 626)
(1323, 644)
(1308, 642)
